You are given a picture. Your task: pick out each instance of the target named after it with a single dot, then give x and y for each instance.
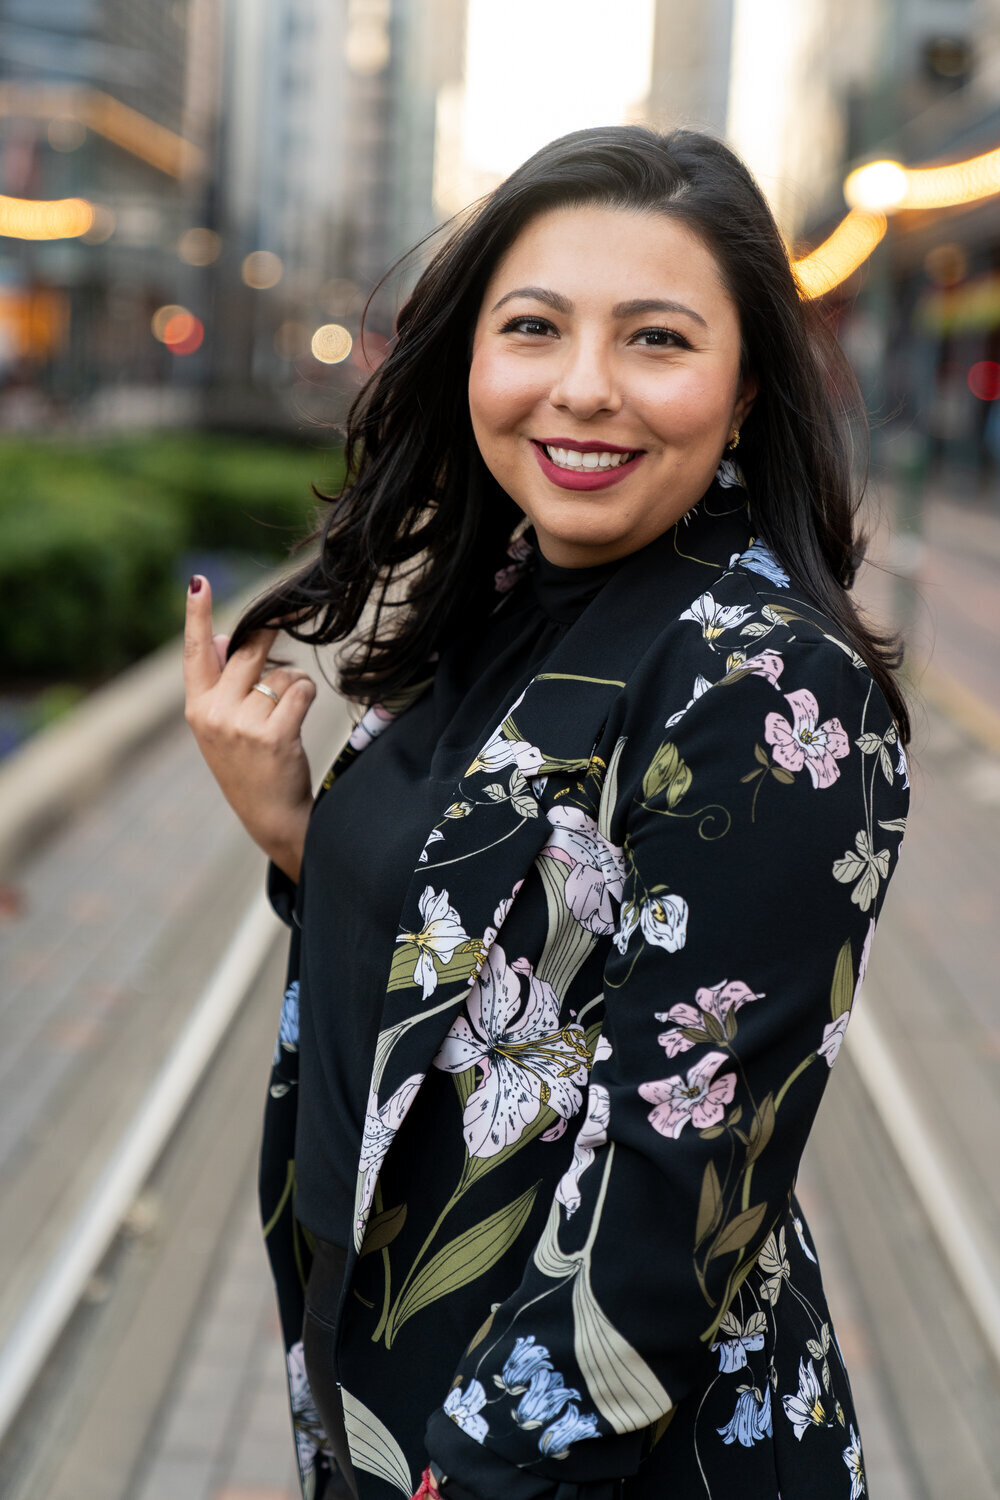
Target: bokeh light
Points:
(946, 265)
(984, 379)
(877, 186)
(262, 269)
(199, 247)
(162, 316)
(183, 333)
(52, 219)
(331, 343)
(65, 134)
(102, 225)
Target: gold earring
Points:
(734, 439)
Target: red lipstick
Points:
(584, 479)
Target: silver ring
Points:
(262, 687)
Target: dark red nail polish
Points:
(194, 586)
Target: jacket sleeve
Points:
(281, 892)
(757, 835)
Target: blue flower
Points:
(545, 1398)
(572, 1427)
(760, 559)
(751, 1421)
(463, 1407)
(733, 1352)
(288, 1028)
(524, 1361)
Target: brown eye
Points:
(528, 325)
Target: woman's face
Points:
(606, 337)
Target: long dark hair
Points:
(420, 523)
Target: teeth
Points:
(572, 458)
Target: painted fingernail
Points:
(194, 586)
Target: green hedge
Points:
(94, 538)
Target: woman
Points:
(575, 943)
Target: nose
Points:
(585, 383)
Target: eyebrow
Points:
(636, 306)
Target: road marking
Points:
(951, 1217)
(87, 1239)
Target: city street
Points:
(168, 1383)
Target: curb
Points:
(57, 771)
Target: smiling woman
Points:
(628, 783)
(578, 399)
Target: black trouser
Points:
(319, 1338)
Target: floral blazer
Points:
(623, 972)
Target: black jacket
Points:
(622, 975)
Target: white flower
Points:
(434, 837)
(463, 1408)
(499, 752)
(805, 1408)
(855, 1465)
(833, 1035)
(592, 1134)
(381, 1124)
(310, 1437)
(797, 1222)
(597, 867)
(572, 1427)
(627, 923)
(288, 1027)
(663, 920)
(525, 1059)
(729, 475)
(701, 685)
(440, 935)
(715, 618)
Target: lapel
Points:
(473, 860)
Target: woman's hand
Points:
(253, 745)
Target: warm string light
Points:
(886, 187)
(847, 248)
(45, 219)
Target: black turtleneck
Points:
(363, 843)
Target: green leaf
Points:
(668, 774)
(714, 1028)
(711, 1132)
(495, 791)
(751, 776)
(869, 744)
(893, 825)
(842, 988)
(383, 1229)
(761, 1128)
(739, 1231)
(709, 1204)
(780, 774)
(760, 755)
(622, 1386)
(373, 1447)
(463, 1259)
(886, 764)
(480, 1334)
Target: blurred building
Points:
(111, 102)
(691, 63)
(328, 160)
(921, 320)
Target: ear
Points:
(745, 397)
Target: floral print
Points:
(715, 1001)
(751, 1421)
(596, 897)
(310, 1439)
(715, 618)
(442, 932)
(288, 1027)
(525, 1058)
(463, 1407)
(698, 1099)
(807, 742)
(806, 1408)
(597, 870)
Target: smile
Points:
(589, 468)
